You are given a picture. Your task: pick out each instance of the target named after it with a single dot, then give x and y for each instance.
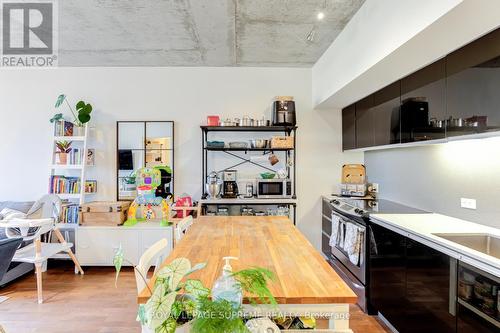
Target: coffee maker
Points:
(230, 187)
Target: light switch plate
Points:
(468, 203)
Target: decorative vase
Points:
(62, 158)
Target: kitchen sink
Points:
(484, 243)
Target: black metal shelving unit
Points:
(290, 154)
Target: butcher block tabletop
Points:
(302, 274)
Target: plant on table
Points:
(82, 115)
(64, 148)
(176, 301)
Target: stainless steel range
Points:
(347, 240)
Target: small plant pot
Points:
(62, 158)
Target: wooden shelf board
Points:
(248, 149)
(69, 138)
(248, 128)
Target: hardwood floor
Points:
(91, 304)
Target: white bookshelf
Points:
(72, 170)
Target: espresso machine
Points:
(229, 187)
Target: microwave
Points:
(274, 188)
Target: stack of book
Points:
(69, 213)
(70, 185)
(64, 128)
(76, 156)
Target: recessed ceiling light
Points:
(320, 16)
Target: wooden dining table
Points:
(304, 284)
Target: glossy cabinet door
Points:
(423, 104)
(430, 290)
(385, 114)
(365, 132)
(473, 86)
(387, 275)
(349, 127)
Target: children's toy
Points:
(147, 180)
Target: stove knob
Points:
(335, 202)
(359, 211)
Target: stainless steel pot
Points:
(457, 122)
(259, 143)
(260, 122)
(245, 121)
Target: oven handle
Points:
(346, 220)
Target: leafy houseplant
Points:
(82, 115)
(181, 305)
(64, 147)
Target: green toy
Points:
(147, 180)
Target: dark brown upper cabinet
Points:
(423, 104)
(349, 127)
(365, 130)
(473, 87)
(386, 115)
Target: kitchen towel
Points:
(352, 242)
(337, 236)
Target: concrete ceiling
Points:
(198, 32)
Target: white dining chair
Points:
(182, 227)
(154, 254)
(31, 230)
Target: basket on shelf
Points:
(104, 213)
(282, 142)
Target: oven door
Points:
(354, 262)
(271, 189)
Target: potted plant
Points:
(82, 115)
(183, 305)
(63, 147)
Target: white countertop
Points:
(422, 227)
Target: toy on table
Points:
(147, 180)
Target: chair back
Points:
(50, 206)
(182, 227)
(153, 254)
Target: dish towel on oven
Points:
(352, 242)
(334, 237)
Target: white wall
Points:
(435, 177)
(375, 31)
(389, 39)
(184, 95)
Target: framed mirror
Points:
(144, 144)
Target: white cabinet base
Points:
(96, 246)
